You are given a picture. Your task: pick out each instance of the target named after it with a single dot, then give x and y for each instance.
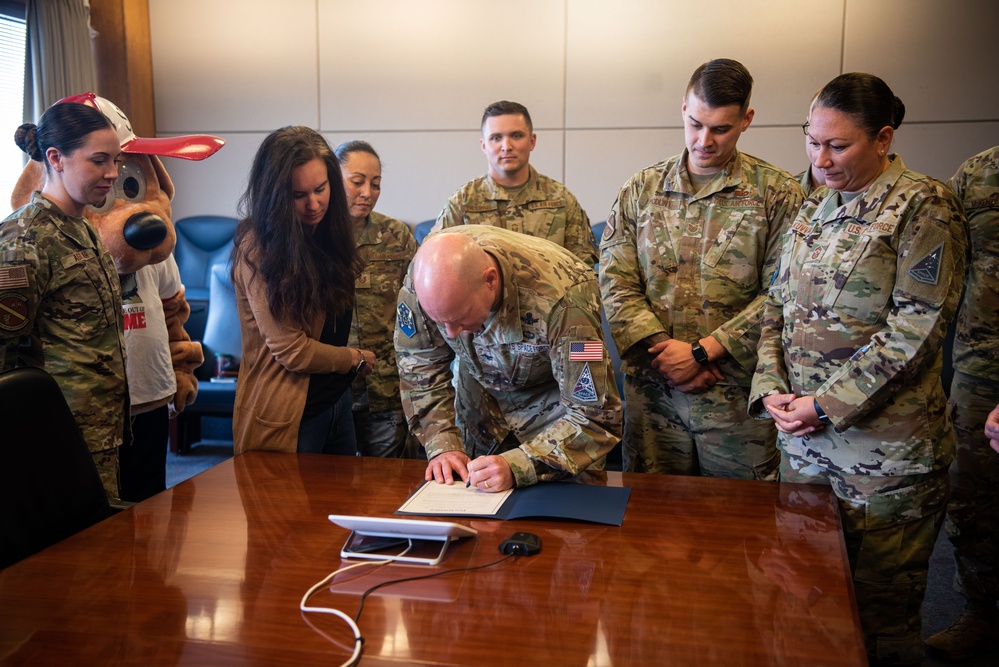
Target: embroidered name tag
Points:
(76, 258)
(530, 348)
(801, 227)
(555, 203)
(389, 256)
(992, 201)
(479, 208)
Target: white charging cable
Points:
(358, 639)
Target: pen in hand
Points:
(468, 481)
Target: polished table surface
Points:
(211, 572)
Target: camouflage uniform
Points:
(60, 310)
(680, 264)
(542, 207)
(526, 383)
(387, 247)
(856, 318)
(973, 511)
(805, 181)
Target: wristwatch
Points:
(700, 354)
(823, 417)
(360, 366)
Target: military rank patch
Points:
(13, 312)
(584, 390)
(404, 317)
(927, 270)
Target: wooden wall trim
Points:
(123, 59)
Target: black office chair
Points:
(49, 486)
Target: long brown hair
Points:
(305, 274)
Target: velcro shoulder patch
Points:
(927, 270)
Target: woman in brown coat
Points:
(293, 270)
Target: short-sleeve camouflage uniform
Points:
(542, 207)
(973, 511)
(856, 319)
(386, 246)
(539, 370)
(60, 310)
(683, 264)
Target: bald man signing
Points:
(523, 315)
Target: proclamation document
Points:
(453, 500)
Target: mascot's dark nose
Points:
(145, 230)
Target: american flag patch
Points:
(588, 351)
(13, 276)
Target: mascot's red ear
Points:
(187, 147)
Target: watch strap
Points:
(823, 417)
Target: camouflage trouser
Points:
(709, 434)
(973, 511)
(106, 461)
(384, 433)
(890, 525)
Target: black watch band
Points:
(360, 366)
(823, 417)
(700, 354)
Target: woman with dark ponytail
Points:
(293, 269)
(850, 352)
(60, 297)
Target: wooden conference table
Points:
(211, 572)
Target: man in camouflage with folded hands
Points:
(689, 248)
(523, 316)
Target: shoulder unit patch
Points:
(404, 317)
(927, 270)
(584, 390)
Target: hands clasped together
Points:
(674, 360)
(792, 414)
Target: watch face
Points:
(700, 355)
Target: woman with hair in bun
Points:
(294, 266)
(60, 297)
(850, 352)
(386, 247)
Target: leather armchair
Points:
(202, 242)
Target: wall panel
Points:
(628, 62)
(223, 65)
(436, 64)
(938, 57)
